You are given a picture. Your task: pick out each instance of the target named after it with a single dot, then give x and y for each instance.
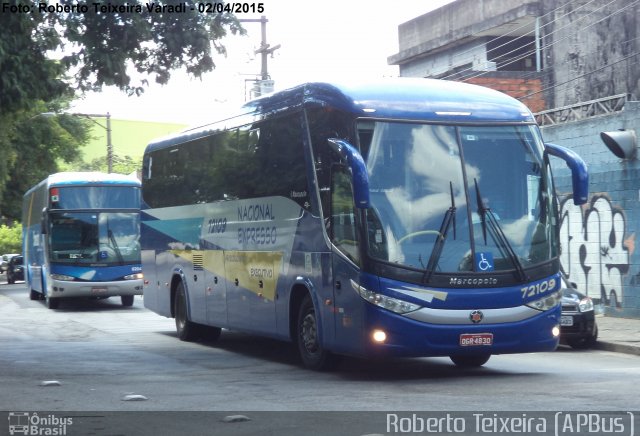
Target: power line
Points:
(580, 76)
(550, 68)
(473, 76)
(522, 36)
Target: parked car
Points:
(578, 327)
(15, 269)
(4, 262)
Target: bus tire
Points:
(187, 331)
(470, 361)
(51, 303)
(127, 300)
(313, 355)
(33, 295)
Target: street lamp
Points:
(91, 117)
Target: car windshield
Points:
(458, 198)
(90, 237)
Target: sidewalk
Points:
(621, 335)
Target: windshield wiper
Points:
(114, 245)
(487, 216)
(449, 217)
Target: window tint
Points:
(257, 160)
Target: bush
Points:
(11, 238)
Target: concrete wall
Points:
(598, 239)
(453, 23)
(589, 49)
(431, 66)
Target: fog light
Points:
(379, 336)
(555, 331)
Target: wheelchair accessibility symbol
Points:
(484, 262)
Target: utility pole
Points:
(265, 84)
(108, 129)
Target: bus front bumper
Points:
(65, 289)
(404, 336)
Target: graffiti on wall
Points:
(595, 254)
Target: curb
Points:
(617, 348)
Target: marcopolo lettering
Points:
(473, 281)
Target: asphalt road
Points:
(97, 359)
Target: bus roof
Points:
(415, 99)
(80, 178)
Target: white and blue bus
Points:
(81, 237)
(411, 217)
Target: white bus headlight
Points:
(547, 302)
(389, 303)
(136, 276)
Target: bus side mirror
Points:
(579, 173)
(44, 222)
(358, 170)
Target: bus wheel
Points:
(33, 295)
(470, 361)
(127, 300)
(187, 330)
(51, 303)
(313, 355)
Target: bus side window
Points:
(343, 214)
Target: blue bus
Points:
(410, 217)
(81, 237)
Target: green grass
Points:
(128, 137)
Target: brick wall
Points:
(516, 87)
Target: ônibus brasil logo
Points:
(27, 423)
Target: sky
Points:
(321, 40)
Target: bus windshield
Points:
(458, 198)
(87, 238)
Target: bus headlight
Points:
(62, 277)
(393, 304)
(547, 302)
(136, 276)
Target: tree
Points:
(121, 165)
(154, 38)
(11, 238)
(96, 46)
(38, 144)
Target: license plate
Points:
(98, 289)
(566, 321)
(476, 339)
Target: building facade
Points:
(547, 53)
